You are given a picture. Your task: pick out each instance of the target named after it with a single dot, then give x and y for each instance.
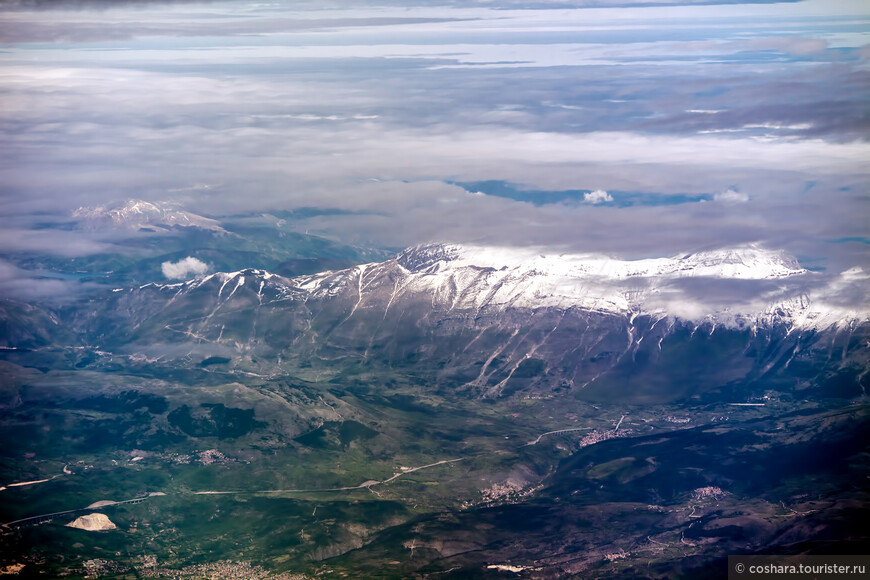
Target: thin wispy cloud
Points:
(731, 196)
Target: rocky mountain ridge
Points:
(135, 214)
(768, 285)
(472, 321)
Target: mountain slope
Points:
(492, 323)
(135, 214)
(454, 410)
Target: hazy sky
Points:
(594, 126)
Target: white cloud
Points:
(597, 196)
(731, 196)
(185, 268)
(31, 285)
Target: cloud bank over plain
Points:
(364, 117)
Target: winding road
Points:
(365, 485)
(542, 435)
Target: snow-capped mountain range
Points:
(137, 214)
(495, 321)
(746, 262)
(452, 277)
(765, 285)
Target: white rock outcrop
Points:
(93, 523)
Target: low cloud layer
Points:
(188, 267)
(366, 119)
(35, 286)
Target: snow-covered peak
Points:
(136, 214)
(221, 279)
(739, 286)
(750, 262)
(770, 284)
(423, 256)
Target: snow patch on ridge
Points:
(750, 262)
(136, 214)
(477, 277)
(481, 278)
